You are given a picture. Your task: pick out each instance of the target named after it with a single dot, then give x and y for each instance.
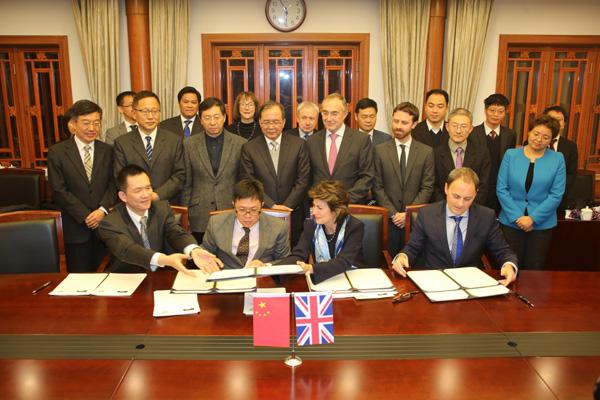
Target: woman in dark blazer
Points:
(333, 237)
(531, 183)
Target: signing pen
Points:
(44, 286)
(524, 299)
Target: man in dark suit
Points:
(432, 130)
(212, 161)
(496, 138)
(569, 150)
(187, 123)
(458, 152)
(307, 117)
(455, 232)
(138, 229)
(281, 163)
(404, 172)
(125, 107)
(82, 185)
(158, 151)
(341, 153)
(365, 113)
(247, 237)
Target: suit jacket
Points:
(421, 133)
(125, 243)
(544, 195)
(74, 194)
(203, 191)
(174, 125)
(273, 239)
(379, 137)
(475, 157)
(289, 185)
(428, 244)
(353, 165)
(113, 133)
(569, 150)
(350, 255)
(166, 169)
(393, 194)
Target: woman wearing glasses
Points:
(531, 183)
(332, 237)
(244, 116)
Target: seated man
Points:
(455, 232)
(136, 230)
(246, 237)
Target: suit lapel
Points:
(413, 155)
(137, 143)
(322, 143)
(135, 233)
(99, 155)
(202, 152)
(263, 240)
(75, 157)
(344, 147)
(470, 156)
(225, 155)
(392, 155)
(443, 237)
(159, 145)
(471, 227)
(263, 149)
(227, 235)
(446, 158)
(503, 141)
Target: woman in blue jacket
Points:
(531, 183)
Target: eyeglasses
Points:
(271, 123)
(87, 124)
(210, 118)
(247, 105)
(402, 297)
(248, 211)
(147, 112)
(462, 127)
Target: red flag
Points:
(271, 320)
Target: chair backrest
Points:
(182, 216)
(583, 188)
(375, 240)
(31, 242)
(22, 186)
(411, 215)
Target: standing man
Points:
(281, 163)
(158, 151)
(307, 116)
(125, 107)
(432, 130)
(365, 114)
(404, 172)
(341, 153)
(459, 152)
(187, 123)
(496, 138)
(212, 160)
(82, 185)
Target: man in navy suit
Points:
(455, 232)
(307, 117)
(365, 114)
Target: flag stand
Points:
(292, 360)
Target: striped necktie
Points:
(144, 232)
(87, 161)
(457, 240)
(149, 147)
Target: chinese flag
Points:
(271, 320)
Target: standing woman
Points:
(531, 183)
(244, 116)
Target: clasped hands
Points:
(525, 223)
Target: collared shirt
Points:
(432, 129)
(370, 133)
(129, 125)
(304, 135)
(338, 140)
(450, 225)
(406, 148)
(183, 119)
(152, 135)
(489, 130)
(238, 233)
(453, 146)
(278, 141)
(554, 144)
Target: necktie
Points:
(459, 157)
(244, 247)
(403, 163)
(87, 161)
(149, 147)
(332, 153)
(457, 240)
(134, 128)
(186, 129)
(143, 232)
(274, 154)
(306, 136)
(493, 134)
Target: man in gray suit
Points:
(365, 113)
(158, 151)
(211, 160)
(187, 123)
(125, 107)
(405, 172)
(341, 153)
(281, 163)
(246, 237)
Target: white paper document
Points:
(267, 270)
(248, 304)
(197, 283)
(470, 277)
(119, 285)
(360, 283)
(167, 303)
(433, 280)
(78, 284)
(98, 284)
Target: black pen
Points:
(524, 299)
(44, 286)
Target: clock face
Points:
(285, 15)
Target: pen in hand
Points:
(44, 286)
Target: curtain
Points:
(466, 29)
(169, 24)
(98, 29)
(404, 26)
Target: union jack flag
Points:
(314, 318)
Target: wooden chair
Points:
(411, 215)
(583, 189)
(22, 187)
(375, 241)
(32, 242)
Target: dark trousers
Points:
(531, 247)
(395, 238)
(86, 256)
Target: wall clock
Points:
(285, 15)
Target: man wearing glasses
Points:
(246, 237)
(158, 151)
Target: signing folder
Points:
(360, 283)
(236, 273)
(456, 284)
(198, 283)
(100, 284)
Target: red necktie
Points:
(332, 152)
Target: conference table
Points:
(492, 348)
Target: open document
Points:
(167, 303)
(100, 284)
(456, 284)
(360, 283)
(267, 270)
(197, 283)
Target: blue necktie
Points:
(457, 240)
(149, 147)
(186, 129)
